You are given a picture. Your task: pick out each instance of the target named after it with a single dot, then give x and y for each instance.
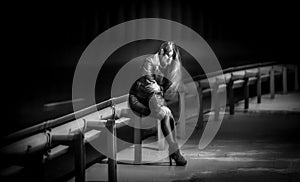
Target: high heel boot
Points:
(174, 153)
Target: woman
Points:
(161, 77)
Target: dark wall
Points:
(43, 43)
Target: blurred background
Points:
(44, 41)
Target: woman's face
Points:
(166, 59)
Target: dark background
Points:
(43, 43)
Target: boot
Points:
(176, 156)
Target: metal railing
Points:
(41, 137)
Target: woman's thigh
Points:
(158, 107)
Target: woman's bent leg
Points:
(164, 114)
(167, 127)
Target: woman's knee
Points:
(164, 113)
(167, 111)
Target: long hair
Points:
(173, 72)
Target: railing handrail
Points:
(41, 127)
(232, 69)
(46, 125)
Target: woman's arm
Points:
(148, 72)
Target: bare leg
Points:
(168, 129)
(167, 126)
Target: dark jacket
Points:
(150, 71)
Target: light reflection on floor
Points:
(249, 147)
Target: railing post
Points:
(79, 157)
(272, 83)
(231, 96)
(216, 100)
(284, 79)
(258, 86)
(200, 95)
(182, 121)
(246, 92)
(137, 141)
(112, 149)
(160, 136)
(76, 140)
(296, 78)
(35, 168)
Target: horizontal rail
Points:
(56, 122)
(44, 138)
(83, 112)
(232, 69)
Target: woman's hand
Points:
(153, 86)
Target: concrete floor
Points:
(250, 146)
(281, 103)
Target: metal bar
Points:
(79, 157)
(66, 139)
(258, 87)
(284, 79)
(160, 136)
(246, 93)
(137, 140)
(64, 119)
(231, 69)
(200, 95)
(37, 129)
(120, 99)
(249, 66)
(96, 124)
(182, 118)
(231, 97)
(55, 152)
(272, 83)
(296, 78)
(28, 145)
(215, 99)
(112, 150)
(36, 167)
(55, 122)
